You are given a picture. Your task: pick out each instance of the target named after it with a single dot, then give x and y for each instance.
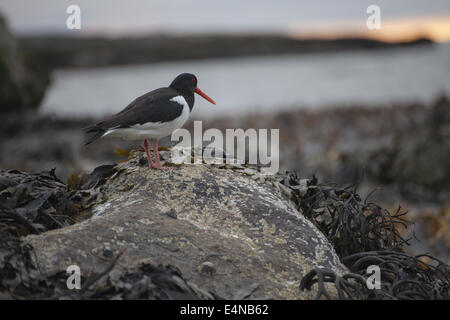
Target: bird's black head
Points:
(186, 83)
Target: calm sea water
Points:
(265, 84)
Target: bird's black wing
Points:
(154, 106)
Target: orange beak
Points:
(200, 92)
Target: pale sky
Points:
(118, 17)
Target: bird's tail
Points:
(99, 131)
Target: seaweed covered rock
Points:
(38, 202)
(228, 229)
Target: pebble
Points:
(249, 172)
(207, 268)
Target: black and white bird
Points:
(152, 116)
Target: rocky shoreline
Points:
(73, 52)
(403, 158)
(134, 247)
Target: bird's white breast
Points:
(153, 130)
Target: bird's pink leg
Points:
(158, 161)
(149, 157)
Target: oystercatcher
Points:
(153, 115)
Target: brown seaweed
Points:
(352, 225)
(402, 277)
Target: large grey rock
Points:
(230, 231)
